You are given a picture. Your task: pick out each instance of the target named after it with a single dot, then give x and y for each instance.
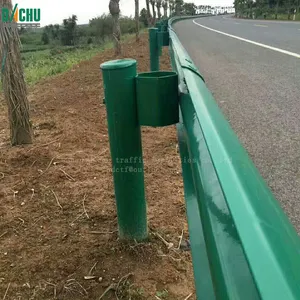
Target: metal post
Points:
(125, 147)
(154, 49)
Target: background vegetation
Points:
(56, 48)
(268, 9)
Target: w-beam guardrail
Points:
(243, 245)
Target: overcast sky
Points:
(55, 11)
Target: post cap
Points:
(118, 64)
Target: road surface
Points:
(253, 69)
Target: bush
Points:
(102, 27)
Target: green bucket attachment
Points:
(163, 38)
(157, 98)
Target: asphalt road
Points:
(256, 82)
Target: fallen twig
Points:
(92, 268)
(32, 194)
(169, 245)
(89, 277)
(49, 165)
(6, 292)
(72, 223)
(111, 287)
(180, 240)
(72, 281)
(57, 201)
(189, 296)
(21, 220)
(175, 259)
(124, 278)
(102, 232)
(3, 234)
(103, 152)
(43, 145)
(67, 175)
(84, 207)
(54, 288)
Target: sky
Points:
(55, 11)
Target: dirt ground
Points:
(58, 224)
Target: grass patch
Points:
(42, 64)
(39, 62)
(281, 17)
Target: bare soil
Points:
(58, 223)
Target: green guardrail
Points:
(243, 245)
(244, 242)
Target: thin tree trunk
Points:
(165, 12)
(149, 18)
(289, 9)
(114, 9)
(137, 21)
(165, 7)
(276, 9)
(158, 5)
(13, 83)
(154, 13)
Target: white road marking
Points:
(259, 25)
(236, 23)
(249, 41)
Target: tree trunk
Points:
(114, 10)
(153, 12)
(137, 21)
(149, 18)
(165, 7)
(172, 7)
(276, 9)
(165, 12)
(158, 5)
(13, 83)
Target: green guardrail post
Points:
(154, 49)
(126, 147)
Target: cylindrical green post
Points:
(154, 49)
(125, 147)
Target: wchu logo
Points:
(23, 17)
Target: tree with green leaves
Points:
(114, 9)
(68, 33)
(178, 7)
(45, 38)
(144, 17)
(265, 8)
(189, 9)
(172, 7)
